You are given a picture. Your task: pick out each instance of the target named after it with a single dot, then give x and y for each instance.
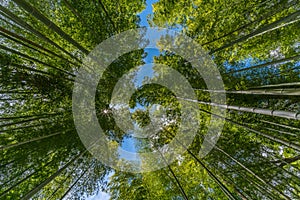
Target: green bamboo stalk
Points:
(294, 84)
(36, 45)
(39, 16)
(250, 171)
(71, 187)
(61, 182)
(23, 121)
(274, 113)
(108, 16)
(22, 43)
(272, 63)
(292, 18)
(184, 195)
(272, 138)
(224, 189)
(269, 14)
(53, 176)
(276, 92)
(21, 181)
(35, 60)
(26, 26)
(280, 125)
(38, 71)
(29, 116)
(29, 141)
(21, 173)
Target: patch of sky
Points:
(129, 142)
(147, 12)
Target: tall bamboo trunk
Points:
(29, 141)
(108, 16)
(23, 44)
(71, 187)
(26, 169)
(53, 176)
(23, 121)
(36, 45)
(280, 85)
(26, 26)
(272, 138)
(21, 181)
(276, 92)
(292, 18)
(184, 195)
(251, 172)
(274, 113)
(275, 62)
(25, 127)
(39, 16)
(223, 187)
(35, 60)
(280, 125)
(78, 15)
(270, 14)
(30, 116)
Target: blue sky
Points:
(143, 15)
(146, 71)
(128, 144)
(100, 196)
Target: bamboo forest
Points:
(149, 99)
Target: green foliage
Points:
(255, 45)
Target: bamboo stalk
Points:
(272, 13)
(53, 176)
(108, 16)
(272, 63)
(23, 121)
(184, 195)
(29, 116)
(224, 189)
(294, 84)
(29, 141)
(26, 26)
(71, 187)
(23, 44)
(292, 18)
(35, 44)
(274, 113)
(39, 16)
(280, 125)
(21, 173)
(60, 182)
(272, 138)
(35, 60)
(273, 92)
(250, 171)
(21, 181)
